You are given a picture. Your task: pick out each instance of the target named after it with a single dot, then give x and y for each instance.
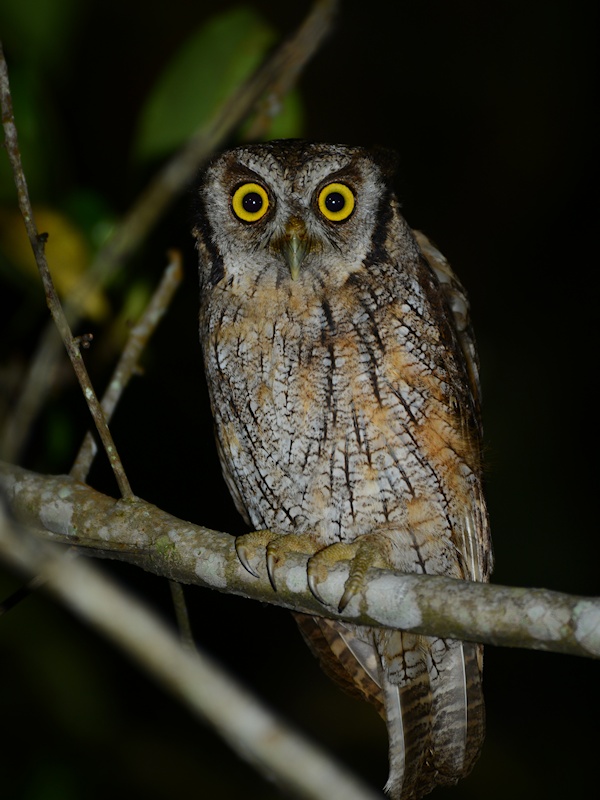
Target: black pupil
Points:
(252, 202)
(334, 202)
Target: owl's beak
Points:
(294, 245)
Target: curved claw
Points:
(313, 582)
(349, 592)
(242, 553)
(271, 562)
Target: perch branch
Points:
(256, 734)
(138, 532)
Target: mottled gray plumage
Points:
(343, 383)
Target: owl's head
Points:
(291, 211)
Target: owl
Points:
(343, 382)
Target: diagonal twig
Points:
(37, 241)
(128, 362)
(126, 366)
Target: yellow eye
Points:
(336, 202)
(250, 202)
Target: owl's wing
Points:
(458, 303)
(474, 537)
(231, 484)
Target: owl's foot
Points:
(368, 551)
(277, 547)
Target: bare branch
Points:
(37, 241)
(256, 734)
(182, 615)
(139, 533)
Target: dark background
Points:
(492, 110)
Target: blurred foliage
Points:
(492, 110)
(205, 71)
(67, 251)
(41, 33)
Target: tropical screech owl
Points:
(343, 381)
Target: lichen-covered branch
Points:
(137, 532)
(37, 241)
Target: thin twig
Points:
(22, 593)
(182, 616)
(37, 242)
(254, 733)
(278, 72)
(138, 338)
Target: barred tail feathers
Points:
(407, 696)
(435, 734)
(427, 689)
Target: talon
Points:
(271, 562)
(242, 554)
(349, 593)
(313, 583)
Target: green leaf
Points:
(213, 62)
